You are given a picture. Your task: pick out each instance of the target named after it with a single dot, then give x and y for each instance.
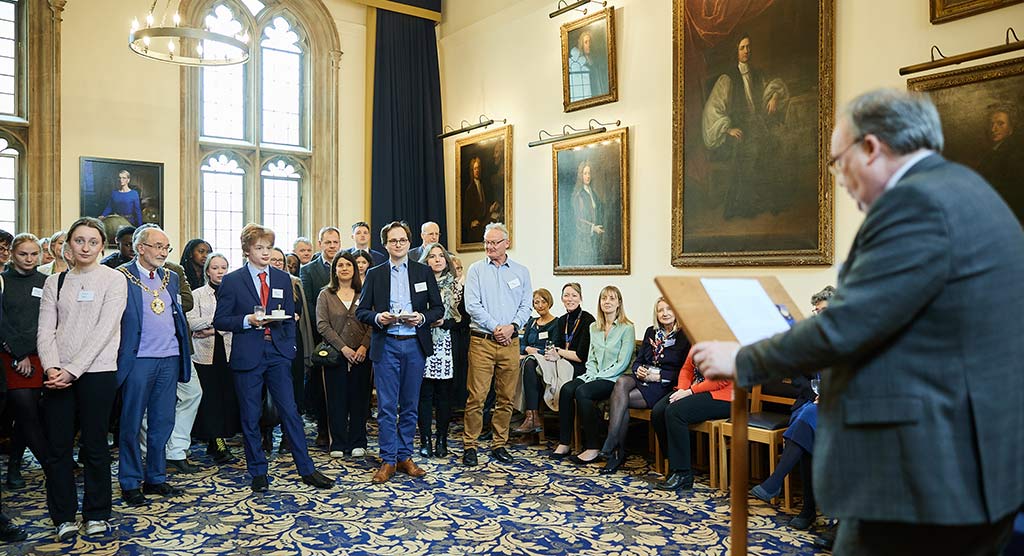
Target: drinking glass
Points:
(260, 312)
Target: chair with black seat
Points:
(764, 427)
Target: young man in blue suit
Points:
(400, 300)
(921, 419)
(153, 357)
(261, 353)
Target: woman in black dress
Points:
(654, 373)
(218, 416)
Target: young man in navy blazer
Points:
(400, 300)
(261, 353)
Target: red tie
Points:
(264, 295)
(151, 275)
(264, 289)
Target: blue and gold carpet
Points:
(535, 507)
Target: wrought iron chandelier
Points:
(184, 45)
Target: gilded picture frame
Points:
(944, 11)
(591, 204)
(589, 75)
(982, 111)
(485, 196)
(750, 183)
(121, 192)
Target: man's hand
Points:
(716, 360)
(58, 379)
(736, 133)
(386, 318)
(773, 104)
(415, 319)
(597, 229)
(254, 321)
(504, 334)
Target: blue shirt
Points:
(498, 294)
(401, 299)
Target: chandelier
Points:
(184, 45)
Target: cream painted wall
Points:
(116, 104)
(505, 63)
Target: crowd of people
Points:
(159, 355)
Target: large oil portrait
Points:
(591, 192)
(483, 172)
(588, 61)
(982, 110)
(752, 115)
(941, 11)
(121, 192)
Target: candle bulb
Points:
(177, 19)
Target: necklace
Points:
(157, 305)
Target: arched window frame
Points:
(317, 155)
(34, 129)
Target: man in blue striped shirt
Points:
(499, 301)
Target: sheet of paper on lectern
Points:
(746, 308)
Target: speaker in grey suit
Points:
(920, 437)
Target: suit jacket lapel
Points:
(135, 292)
(249, 285)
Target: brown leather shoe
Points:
(385, 472)
(410, 468)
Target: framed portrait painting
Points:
(982, 111)
(483, 174)
(752, 116)
(941, 11)
(591, 193)
(588, 61)
(121, 192)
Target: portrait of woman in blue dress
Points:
(125, 201)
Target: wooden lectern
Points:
(702, 322)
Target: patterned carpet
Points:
(534, 507)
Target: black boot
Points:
(441, 446)
(268, 440)
(425, 449)
(14, 478)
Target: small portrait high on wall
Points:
(483, 172)
(121, 192)
(592, 204)
(588, 61)
(982, 111)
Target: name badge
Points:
(670, 342)
(542, 336)
(85, 295)
(514, 283)
(420, 287)
(277, 293)
(37, 292)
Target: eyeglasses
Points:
(493, 243)
(833, 163)
(4, 248)
(401, 241)
(164, 248)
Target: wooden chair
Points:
(765, 428)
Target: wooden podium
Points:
(702, 322)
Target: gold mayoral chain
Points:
(157, 305)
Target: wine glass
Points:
(260, 312)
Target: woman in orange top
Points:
(694, 400)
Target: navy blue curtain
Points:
(408, 159)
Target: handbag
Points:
(325, 355)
